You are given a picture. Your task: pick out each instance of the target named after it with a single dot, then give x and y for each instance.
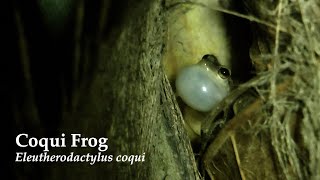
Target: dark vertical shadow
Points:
(240, 32)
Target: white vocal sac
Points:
(202, 86)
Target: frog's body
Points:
(194, 31)
(201, 87)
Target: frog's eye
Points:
(224, 73)
(207, 56)
(211, 58)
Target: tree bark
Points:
(128, 100)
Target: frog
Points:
(201, 87)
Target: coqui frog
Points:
(201, 87)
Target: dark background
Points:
(49, 59)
